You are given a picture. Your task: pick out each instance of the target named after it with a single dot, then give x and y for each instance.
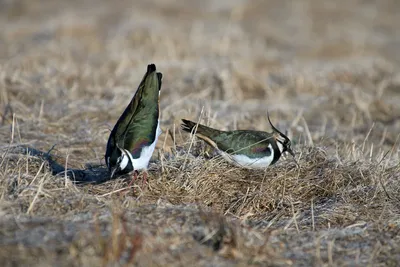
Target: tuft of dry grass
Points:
(328, 74)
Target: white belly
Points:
(142, 162)
(247, 162)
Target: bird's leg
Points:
(134, 177)
(145, 177)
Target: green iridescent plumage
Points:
(252, 144)
(137, 127)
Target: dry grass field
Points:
(327, 71)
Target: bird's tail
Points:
(199, 129)
(203, 132)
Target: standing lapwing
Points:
(134, 136)
(245, 148)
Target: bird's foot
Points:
(134, 177)
(144, 181)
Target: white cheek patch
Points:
(124, 162)
(127, 153)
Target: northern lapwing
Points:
(245, 148)
(134, 136)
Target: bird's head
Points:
(284, 143)
(119, 161)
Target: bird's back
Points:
(252, 143)
(137, 127)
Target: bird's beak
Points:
(113, 171)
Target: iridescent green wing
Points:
(141, 130)
(254, 144)
(137, 125)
